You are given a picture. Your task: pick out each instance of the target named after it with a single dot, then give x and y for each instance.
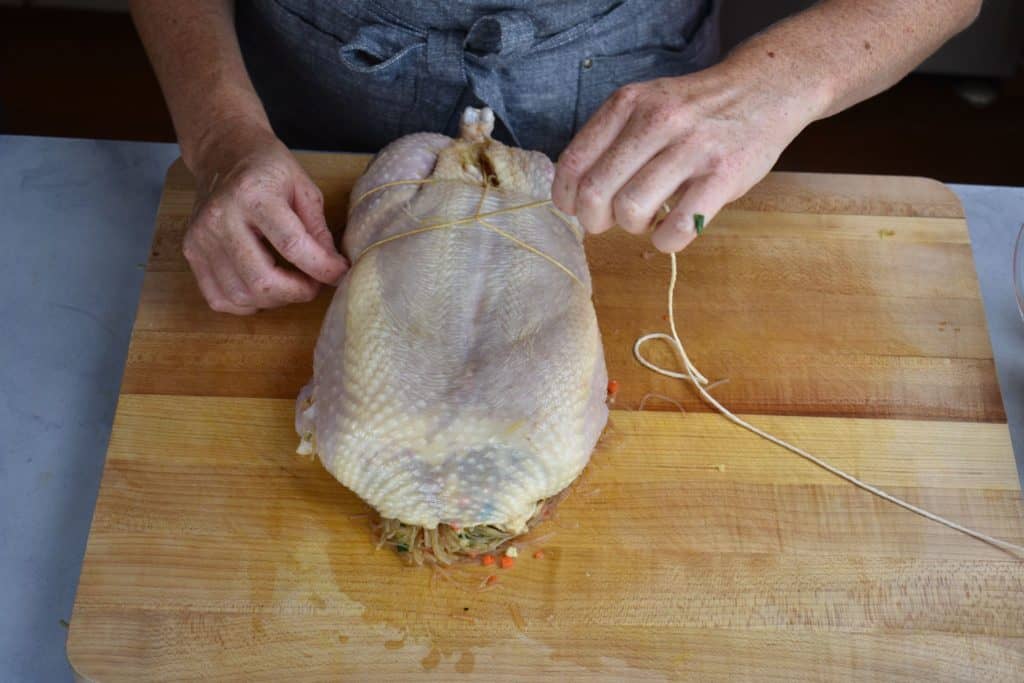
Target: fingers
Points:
(265, 284)
(638, 202)
(704, 138)
(211, 289)
(589, 144)
(231, 286)
(283, 228)
(700, 202)
(308, 201)
(262, 193)
(235, 269)
(637, 144)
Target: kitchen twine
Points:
(692, 375)
(478, 218)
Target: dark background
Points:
(83, 73)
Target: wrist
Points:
(222, 141)
(800, 90)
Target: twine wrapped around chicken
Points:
(459, 381)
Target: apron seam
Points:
(305, 20)
(386, 15)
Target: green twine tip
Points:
(698, 223)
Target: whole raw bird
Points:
(459, 382)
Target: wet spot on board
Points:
(466, 663)
(886, 233)
(342, 639)
(517, 617)
(394, 644)
(430, 662)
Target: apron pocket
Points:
(346, 87)
(375, 48)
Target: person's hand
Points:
(253, 195)
(706, 138)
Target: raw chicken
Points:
(459, 380)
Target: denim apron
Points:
(355, 75)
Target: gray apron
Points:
(355, 75)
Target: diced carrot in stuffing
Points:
(539, 555)
(491, 580)
(487, 560)
(613, 387)
(507, 562)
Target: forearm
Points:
(194, 50)
(841, 52)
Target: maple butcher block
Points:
(843, 310)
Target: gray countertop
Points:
(76, 218)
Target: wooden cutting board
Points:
(845, 312)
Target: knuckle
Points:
(590, 191)
(626, 95)
(262, 284)
(321, 232)
(570, 163)
(220, 305)
(703, 147)
(237, 296)
(207, 215)
(198, 244)
(190, 249)
(661, 115)
(725, 166)
(669, 115)
(628, 211)
(290, 246)
(678, 224)
(211, 213)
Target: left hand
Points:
(710, 136)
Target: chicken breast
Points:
(459, 377)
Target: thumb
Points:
(309, 207)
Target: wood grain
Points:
(815, 295)
(235, 545)
(845, 312)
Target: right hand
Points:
(252, 191)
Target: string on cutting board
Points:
(700, 382)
